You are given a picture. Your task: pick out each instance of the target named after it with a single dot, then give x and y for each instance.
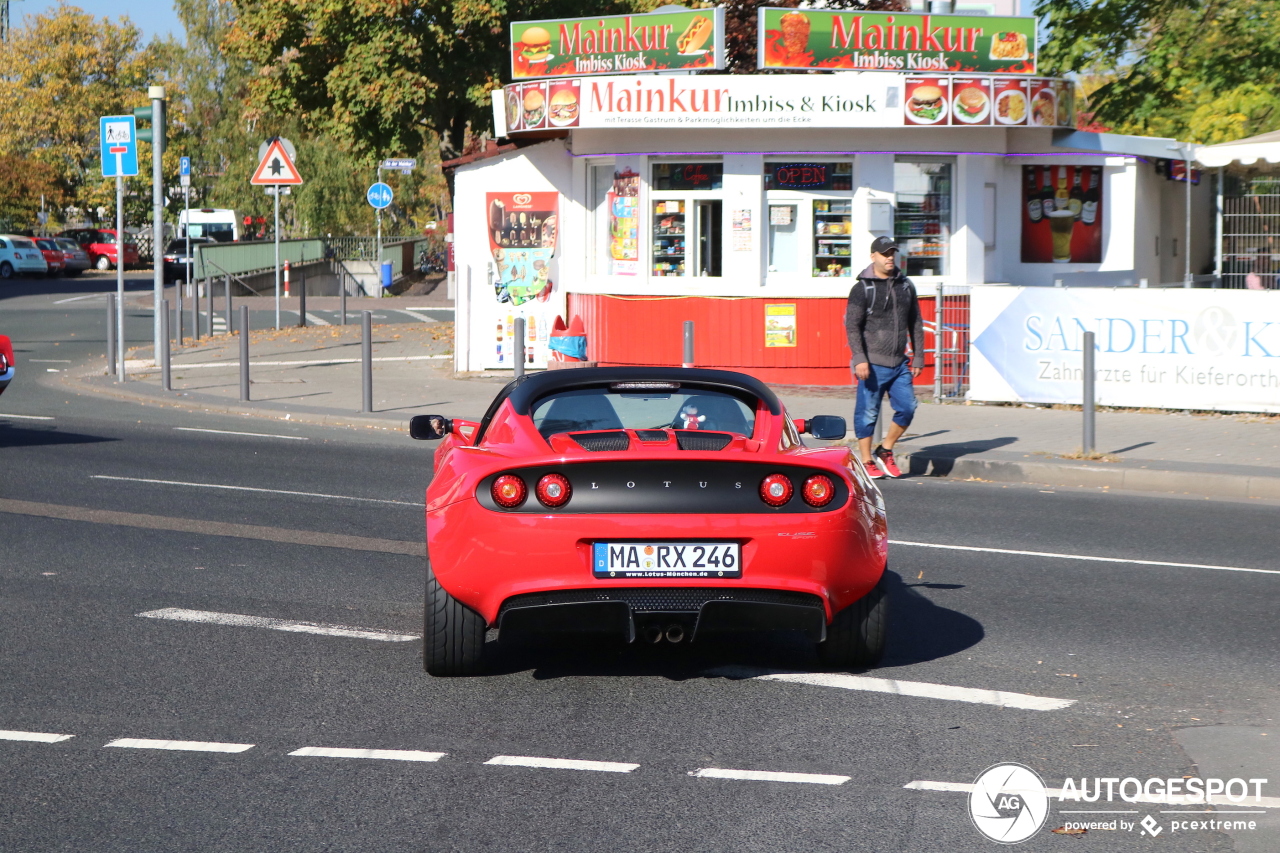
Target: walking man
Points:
(882, 313)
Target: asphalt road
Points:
(1163, 670)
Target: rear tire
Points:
(6, 270)
(452, 633)
(104, 263)
(855, 637)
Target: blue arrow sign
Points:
(119, 138)
(184, 166)
(379, 195)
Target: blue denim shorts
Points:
(894, 381)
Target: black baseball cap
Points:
(883, 245)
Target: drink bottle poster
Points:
(522, 240)
(1062, 214)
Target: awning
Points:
(1150, 147)
(1264, 147)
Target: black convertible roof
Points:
(531, 387)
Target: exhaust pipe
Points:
(675, 633)
(652, 634)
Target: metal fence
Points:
(949, 341)
(1251, 232)
(243, 258)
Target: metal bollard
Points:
(244, 353)
(342, 296)
(227, 293)
(517, 358)
(1088, 393)
(177, 312)
(111, 333)
(209, 310)
(166, 375)
(302, 300)
(939, 335)
(688, 344)
(366, 360)
(195, 311)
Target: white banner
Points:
(1160, 348)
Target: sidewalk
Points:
(313, 375)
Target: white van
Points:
(217, 224)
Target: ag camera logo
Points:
(1008, 803)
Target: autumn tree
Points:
(59, 73)
(1199, 70)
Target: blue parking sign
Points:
(379, 195)
(119, 138)
(184, 166)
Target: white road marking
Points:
(561, 763)
(390, 754)
(316, 321)
(923, 689)
(233, 432)
(49, 360)
(36, 737)
(79, 298)
(253, 489)
(1083, 557)
(413, 312)
(185, 745)
(178, 614)
(1159, 799)
(769, 776)
(26, 417)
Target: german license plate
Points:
(666, 560)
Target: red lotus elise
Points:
(656, 504)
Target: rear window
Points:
(23, 244)
(584, 409)
(48, 245)
(65, 243)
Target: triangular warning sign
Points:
(276, 167)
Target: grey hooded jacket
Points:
(880, 315)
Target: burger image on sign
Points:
(535, 106)
(563, 111)
(535, 45)
(971, 101)
(926, 101)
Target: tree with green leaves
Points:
(1198, 70)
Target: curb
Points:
(1061, 474)
(150, 398)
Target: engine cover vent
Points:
(692, 439)
(600, 442)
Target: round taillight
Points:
(818, 490)
(554, 490)
(509, 491)
(775, 490)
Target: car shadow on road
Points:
(19, 436)
(919, 630)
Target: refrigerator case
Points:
(832, 223)
(669, 238)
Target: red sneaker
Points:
(885, 458)
(873, 470)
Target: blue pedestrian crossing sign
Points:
(379, 195)
(119, 137)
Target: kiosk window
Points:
(784, 238)
(688, 176)
(922, 222)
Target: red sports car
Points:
(659, 504)
(6, 362)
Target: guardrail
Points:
(245, 258)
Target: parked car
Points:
(20, 254)
(176, 259)
(100, 244)
(653, 504)
(53, 255)
(6, 362)
(75, 258)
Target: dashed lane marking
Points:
(25, 417)
(178, 614)
(1083, 557)
(214, 528)
(80, 298)
(181, 745)
(561, 763)
(35, 737)
(233, 432)
(233, 364)
(923, 689)
(388, 754)
(253, 489)
(769, 776)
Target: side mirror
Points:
(429, 427)
(827, 427)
